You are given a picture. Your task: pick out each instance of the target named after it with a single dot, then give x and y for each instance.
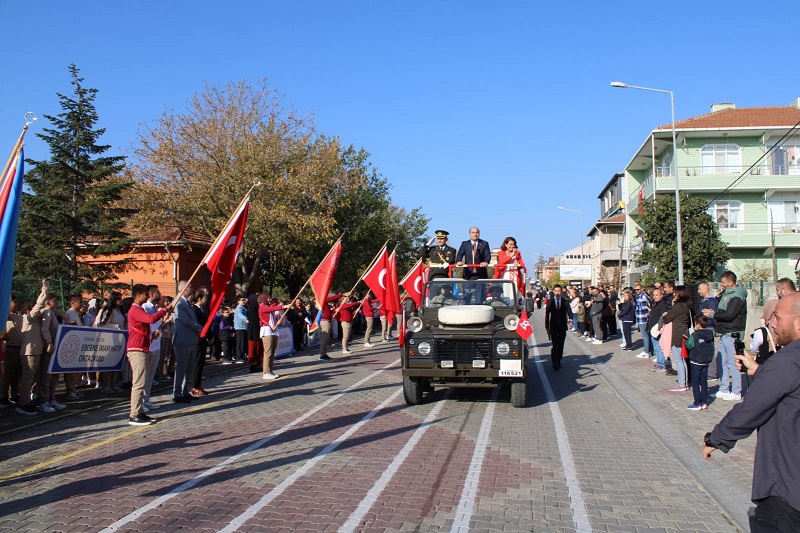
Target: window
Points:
(783, 211)
(785, 160)
(665, 168)
(727, 214)
(721, 159)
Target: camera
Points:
(738, 344)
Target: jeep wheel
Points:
(519, 393)
(412, 390)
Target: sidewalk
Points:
(728, 477)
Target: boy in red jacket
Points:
(138, 352)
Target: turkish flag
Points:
(524, 328)
(322, 278)
(221, 259)
(401, 334)
(376, 276)
(413, 283)
(392, 303)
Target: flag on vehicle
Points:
(221, 259)
(10, 196)
(524, 328)
(322, 278)
(376, 277)
(413, 282)
(401, 333)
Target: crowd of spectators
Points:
(164, 342)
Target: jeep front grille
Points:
(463, 350)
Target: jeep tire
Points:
(519, 393)
(413, 390)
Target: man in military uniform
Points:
(440, 256)
(445, 297)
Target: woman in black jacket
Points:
(626, 312)
(680, 317)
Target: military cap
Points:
(442, 233)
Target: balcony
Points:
(758, 235)
(714, 179)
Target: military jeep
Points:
(465, 336)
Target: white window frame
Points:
(778, 204)
(714, 150)
(730, 205)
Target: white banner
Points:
(81, 349)
(567, 272)
(285, 341)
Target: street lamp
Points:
(620, 85)
(580, 229)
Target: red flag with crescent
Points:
(221, 260)
(524, 328)
(322, 278)
(377, 277)
(392, 303)
(413, 282)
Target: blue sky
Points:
(482, 113)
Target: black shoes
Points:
(182, 399)
(141, 420)
(324, 358)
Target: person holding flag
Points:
(369, 316)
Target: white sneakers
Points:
(270, 375)
(368, 345)
(643, 355)
(597, 341)
(725, 395)
(346, 351)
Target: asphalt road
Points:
(601, 446)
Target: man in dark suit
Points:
(556, 322)
(184, 340)
(475, 251)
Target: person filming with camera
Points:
(731, 318)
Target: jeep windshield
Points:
(447, 292)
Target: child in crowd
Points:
(701, 351)
(226, 339)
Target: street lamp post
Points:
(558, 251)
(620, 85)
(580, 229)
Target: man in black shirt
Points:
(772, 406)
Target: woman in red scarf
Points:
(510, 263)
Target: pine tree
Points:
(72, 208)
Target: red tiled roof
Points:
(616, 219)
(170, 234)
(757, 117)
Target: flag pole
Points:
(359, 281)
(216, 241)
(17, 145)
(312, 275)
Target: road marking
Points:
(213, 470)
(466, 506)
(354, 520)
(162, 419)
(239, 521)
(579, 514)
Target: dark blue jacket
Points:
(627, 311)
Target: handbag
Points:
(684, 351)
(655, 331)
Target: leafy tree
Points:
(194, 167)
(73, 208)
(754, 270)
(703, 247)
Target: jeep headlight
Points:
(503, 348)
(424, 348)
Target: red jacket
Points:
(326, 309)
(139, 327)
(264, 313)
(345, 315)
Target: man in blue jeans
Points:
(731, 317)
(642, 314)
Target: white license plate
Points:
(510, 368)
